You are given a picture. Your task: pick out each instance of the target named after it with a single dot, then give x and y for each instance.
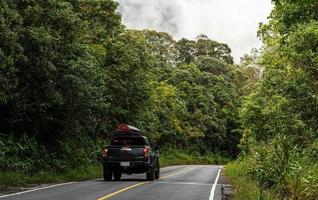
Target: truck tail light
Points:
(146, 152)
(105, 153)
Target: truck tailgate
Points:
(117, 153)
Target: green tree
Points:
(127, 61)
(282, 108)
(53, 83)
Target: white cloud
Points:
(234, 22)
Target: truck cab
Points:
(130, 152)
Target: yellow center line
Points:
(139, 184)
(176, 173)
(122, 190)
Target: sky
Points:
(234, 22)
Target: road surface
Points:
(186, 182)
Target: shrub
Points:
(288, 170)
(23, 154)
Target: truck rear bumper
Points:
(134, 166)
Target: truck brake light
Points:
(146, 151)
(105, 153)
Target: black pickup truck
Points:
(130, 152)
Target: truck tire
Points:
(107, 174)
(150, 174)
(157, 172)
(117, 175)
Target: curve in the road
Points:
(184, 182)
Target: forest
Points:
(70, 71)
(279, 144)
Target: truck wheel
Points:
(157, 172)
(117, 175)
(107, 174)
(150, 174)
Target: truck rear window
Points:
(128, 141)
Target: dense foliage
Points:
(70, 72)
(280, 113)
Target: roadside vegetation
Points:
(279, 146)
(70, 72)
(245, 187)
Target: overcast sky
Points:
(234, 22)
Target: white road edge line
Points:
(214, 185)
(41, 188)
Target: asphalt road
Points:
(186, 182)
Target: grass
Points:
(178, 157)
(169, 157)
(244, 187)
